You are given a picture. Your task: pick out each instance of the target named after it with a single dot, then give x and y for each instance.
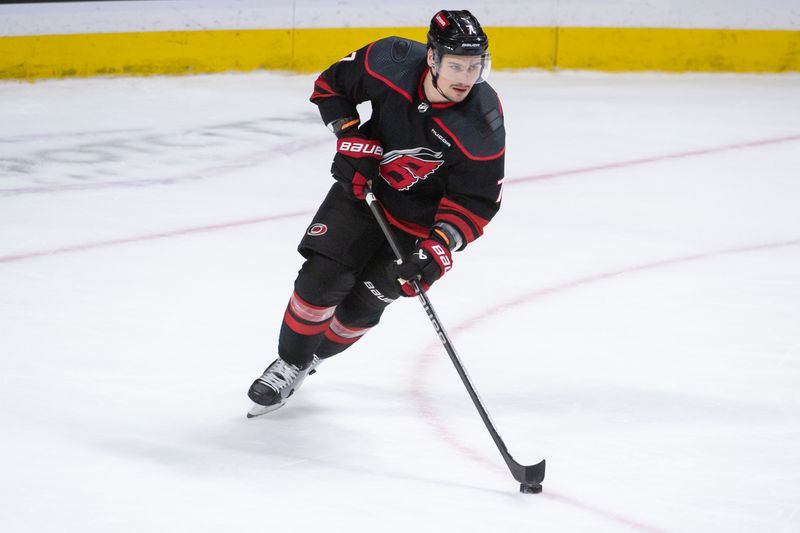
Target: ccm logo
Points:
(360, 149)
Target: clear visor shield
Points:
(463, 69)
(486, 67)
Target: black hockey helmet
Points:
(457, 32)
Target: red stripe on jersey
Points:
(463, 149)
(303, 329)
(460, 224)
(317, 95)
(462, 218)
(374, 74)
(322, 89)
(408, 227)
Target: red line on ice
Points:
(425, 406)
(654, 159)
(225, 168)
(417, 387)
(143, 238)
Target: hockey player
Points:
(433, 153)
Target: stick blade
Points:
(530, 476)
(535, 473)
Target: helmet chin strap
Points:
(434, 79)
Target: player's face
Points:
(457, 75)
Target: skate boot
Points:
(278, 382)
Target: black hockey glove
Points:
(356, 161)
(429, 262)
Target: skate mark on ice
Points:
(254, 159)
(66, 134)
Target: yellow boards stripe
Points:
(311, 50)
(618, 49)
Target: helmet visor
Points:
(468, 69)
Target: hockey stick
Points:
(530, 477)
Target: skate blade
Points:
(258, 410)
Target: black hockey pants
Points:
(345, 284)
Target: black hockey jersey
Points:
(441, 162)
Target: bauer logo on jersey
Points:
(402, 169)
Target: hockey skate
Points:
(278, 382)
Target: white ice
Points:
(632, 315)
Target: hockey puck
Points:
(530, 489)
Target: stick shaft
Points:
(377, 211)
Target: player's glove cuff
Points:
(356, 162)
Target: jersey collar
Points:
(421, 93)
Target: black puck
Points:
(530, 489)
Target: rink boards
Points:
(50, 40)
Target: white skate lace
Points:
(280, 375)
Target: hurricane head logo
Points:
(317, 229)
(402, 169)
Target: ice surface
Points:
(631, 316)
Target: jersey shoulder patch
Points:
(395, 61)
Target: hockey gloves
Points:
(356, 161)
(429, 262)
